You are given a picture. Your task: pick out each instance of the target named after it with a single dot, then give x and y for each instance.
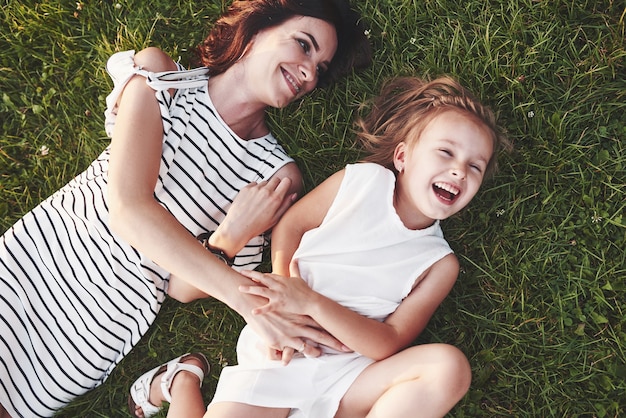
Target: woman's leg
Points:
(182, 291)
(240, 410)
(185, 391)
(420, 381)
(186, 396)
(3, 412)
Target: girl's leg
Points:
(241, 410)
(420, 381)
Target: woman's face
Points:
(284, 62)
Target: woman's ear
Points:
(399, 156)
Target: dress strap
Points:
(121, 68)
(183, 79)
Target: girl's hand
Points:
(284, 294)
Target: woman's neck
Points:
(242, 113)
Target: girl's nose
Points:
(459, 173)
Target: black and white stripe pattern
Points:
(74, 299)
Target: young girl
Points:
(374, 267)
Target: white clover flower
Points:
(595, 218)
(43, 151)
(412, 41)
(531, 114)
(118, 6)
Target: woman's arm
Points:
(137, 217)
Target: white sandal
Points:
(140, 390)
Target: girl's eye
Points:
(476, 168)
(446, 152)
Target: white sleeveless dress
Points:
(361, 256)
(75, 298)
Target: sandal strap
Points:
(140, 389)
(175, 366)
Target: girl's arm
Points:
(304, 215)
(374, 339)
(136, 217)
(367, 336)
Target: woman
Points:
(84, 274)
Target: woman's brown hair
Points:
(231, 33)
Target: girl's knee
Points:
(455, 369)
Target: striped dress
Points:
(74, 297)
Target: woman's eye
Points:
(304, 45)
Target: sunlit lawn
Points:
(538, 307)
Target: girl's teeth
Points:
(448, 188)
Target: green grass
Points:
(539, 305)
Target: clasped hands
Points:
(290, 298)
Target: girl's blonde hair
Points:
(406, 105)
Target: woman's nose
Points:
(308, 71)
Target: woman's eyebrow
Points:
(313, 41)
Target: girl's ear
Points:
(399, 156)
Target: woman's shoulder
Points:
(155, 60)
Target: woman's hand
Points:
(286, 334)
(285, 312)
(283, 294)
(256, 209)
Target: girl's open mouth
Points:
(446, 192)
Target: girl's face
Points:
(440, 174)
(284, 62)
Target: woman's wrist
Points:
(217, 252)
(220, 239)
